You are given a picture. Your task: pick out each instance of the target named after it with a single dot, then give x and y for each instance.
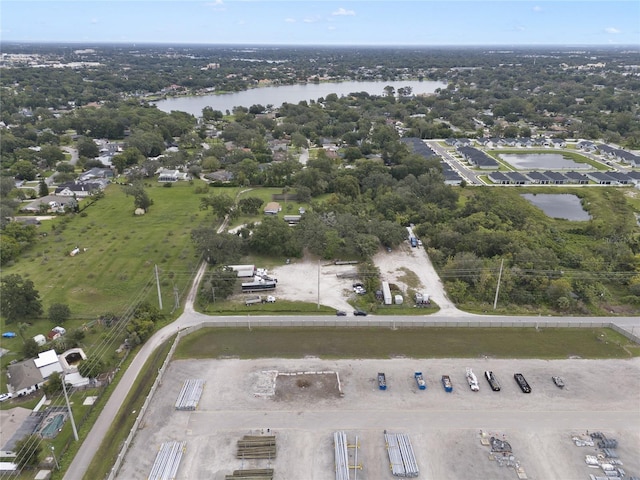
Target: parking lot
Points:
(247, 397)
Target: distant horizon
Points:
(359, 23)
(291, 45)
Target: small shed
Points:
(40, 339)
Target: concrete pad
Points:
(444, 428)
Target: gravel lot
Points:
(242, 397)
(301, 279)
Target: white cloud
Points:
(343, 11)
(311, 19)
(331, 28)
(537, 8)
(290, 20)
(94, 21)
(612, 30)
(216, 5)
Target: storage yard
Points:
(287, 412)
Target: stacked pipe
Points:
(252, 474)
(189, 396)
(342, 455)
(402, 460)
(165, 466)
(257, 447)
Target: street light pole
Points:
(53, 452)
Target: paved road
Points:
(190, 317)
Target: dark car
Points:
(359, 313)
(522, 383)
(341, 313)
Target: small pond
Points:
(561, 205)
(542, 161)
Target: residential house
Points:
(499, 178)
(576, 177)
(78, 189)
(478, 158)
(538, 178)
(169, 176)
(555, 178)
(96, 173)
(516, 178)
(272, 208)
(601, 178)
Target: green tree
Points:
(250, 205)
(43, 189)
(18, 298)
(274, 237)
(217, 248)
(87, 148)
(24, 170)
(30, 348)
(29, 450)
(53, 385)
(218, 284)
(51, 155)
(141, 198)
(91, 367)
(221, 204)
(59, 313)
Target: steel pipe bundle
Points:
(190, 394)
(341, 455)
(165, 466)
(402, 460)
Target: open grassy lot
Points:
(571, 155)
(545, 343)
(121, 250)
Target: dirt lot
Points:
(300, 279)
(251, 397)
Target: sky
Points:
(324, 22)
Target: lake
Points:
(559, 205)
(546, 161)
(276, 96)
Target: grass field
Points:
(117, 266)
(547, 343)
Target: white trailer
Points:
(386, 293)
(243, 270)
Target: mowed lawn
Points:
(118, 251)
(550, 343)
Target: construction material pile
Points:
(253, 474)
(190, 394)
(401, 457)
(165, 466)
(259, 446)
(342, 455)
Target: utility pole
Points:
(66, 398)
(158, 284)
(495, 301)
(318, 284)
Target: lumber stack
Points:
(255, 447)
(253, 474)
